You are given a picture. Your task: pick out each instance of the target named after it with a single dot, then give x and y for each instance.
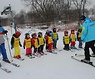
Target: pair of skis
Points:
(7, 70)
(74, 57)
(52, 52)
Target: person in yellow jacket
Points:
(66, 40)
(35, 44)
(55, 38)
(79, 34)
(73, 39)
(28, 45)
(41, 43)
(16, 44)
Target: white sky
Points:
(17, 5)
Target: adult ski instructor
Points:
(88, 32)
(2, 44)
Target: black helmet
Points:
(26, 34)
(82, 17)
(54, 29)
(39, 34)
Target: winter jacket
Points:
(88, 30)
(27, 43)
(66, 39)
(55, 36)
(41, 41)
(15, 41)
(1, 36)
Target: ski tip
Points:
(71, 56)
(75, 54)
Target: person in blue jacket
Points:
(88, 32)
(55, 38)
(2, 44)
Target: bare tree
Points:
(80, 5)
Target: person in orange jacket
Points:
(49, 41)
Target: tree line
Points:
(47, 11)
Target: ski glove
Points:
(5, 31)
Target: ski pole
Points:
(9, 48)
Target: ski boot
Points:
(6, 60)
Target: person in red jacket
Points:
(28, 45)
(49, 41)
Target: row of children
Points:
(71, 39)
(37, 42)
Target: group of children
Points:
(49, 40)
(38, 41)
(35, 41)
(69, 40)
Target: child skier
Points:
(28, 45)
(35, 44)
(55, 38)
(41, 43)
(46, 41)
(79, 33)
(66, 40)
(73, 39)
(49, 41)
(15, 43)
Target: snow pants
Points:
(28, 51)
(3, 51)
(50, 47)
(73, 43)
(86, 49)
(40, 48)
(16, 51)
(54, 44)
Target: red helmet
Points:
(18, 33)
(72, 31)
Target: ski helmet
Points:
(18, 33)
(26, 35)
(39, 34)
(82, 17)
(34, 35)
(54, 29)
(65, 32)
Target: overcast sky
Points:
(17, 5)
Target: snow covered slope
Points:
(50, 66)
